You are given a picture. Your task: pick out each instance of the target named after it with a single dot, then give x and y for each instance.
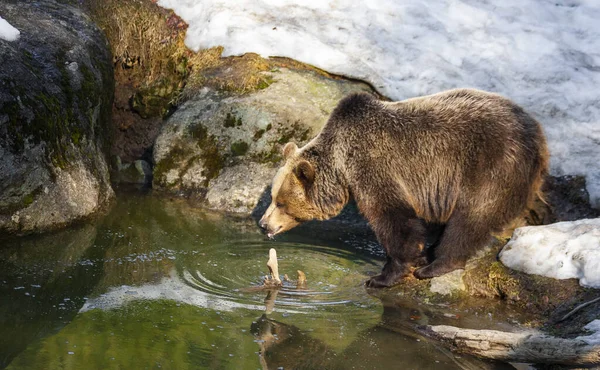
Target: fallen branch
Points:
(528, 347)
(578, 308)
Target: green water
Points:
(160, 284)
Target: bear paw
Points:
(437, 268)
(379, 281)
(385, 280)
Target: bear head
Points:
(291, 202)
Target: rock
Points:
(226, 147)
(568, 198)
(448, 283)
(138, 172)
(236, 188)
(56, 90)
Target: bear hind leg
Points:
(460, 240)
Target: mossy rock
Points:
(220, 130)
(239, 148)
(56, 91)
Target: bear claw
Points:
(378, 281)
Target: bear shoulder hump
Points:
(354, 105)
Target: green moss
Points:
(89, 88)
(211, 155)
(295, 131)
(232, 121)
(229, 120)
(175, 157)
(75, 136)
(24, 202)
(27, 200)
(258, 134)
(199, 132)
(272, 156)
(212, 159)
(59, 120)
(264, 83)
(239, 148)
(501, 281)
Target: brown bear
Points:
(469, 160)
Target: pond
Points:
(160, 284)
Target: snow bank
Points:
(545, 55)
(562, 250)
(8, 32)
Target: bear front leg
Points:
(403, 240)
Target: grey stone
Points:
(448, 283)
(56, 90)
(227, 148)
(138, 172)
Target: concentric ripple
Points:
(235, 272)
(229, 275)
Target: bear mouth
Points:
(272, 234)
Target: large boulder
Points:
(56, 91)
(226, 147)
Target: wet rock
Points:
(226, 147)
(236, 188)
(56, 90)
(568, 198)
(138, 172)
(448, 283)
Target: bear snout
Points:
(264, 227)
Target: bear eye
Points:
(279, 205)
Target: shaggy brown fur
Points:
(466, 159)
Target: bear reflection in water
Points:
(392, 344)
(468, 160)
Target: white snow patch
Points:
(593, 338)
(563, 250)
(545, 55)
(8, 32)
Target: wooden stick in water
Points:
(273, 267)
(301, 282)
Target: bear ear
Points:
(289, 149)
(305, 172)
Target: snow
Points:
(544, 55)
(8, 32)
(593, 338)
(563, 250)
